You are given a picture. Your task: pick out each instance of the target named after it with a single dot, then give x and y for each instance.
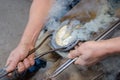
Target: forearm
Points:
(111, 45)
(38, 14)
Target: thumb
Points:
(11, 64)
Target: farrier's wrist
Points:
(101, 48)
(28, 45)
(107, 47)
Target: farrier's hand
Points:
(88, 53)
(18, 54)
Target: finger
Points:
(80, 43)
(21, 67)
(11, 65)
(70, 54)
(74, 53)
(9, 75)
(76, 47)
(26, 63)
(31, 59)
(9, 60)
(80, 61)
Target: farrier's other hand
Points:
(88, 53)
(18, 54)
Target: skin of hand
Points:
(91, 52)
(19, 54)
(38, 13)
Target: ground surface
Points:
(13, 18)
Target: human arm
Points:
(38, 13)
(91, 52)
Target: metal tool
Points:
(70, 61)
(3, 71)
(62, 67)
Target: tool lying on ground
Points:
(3, 71)
(104, 35)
